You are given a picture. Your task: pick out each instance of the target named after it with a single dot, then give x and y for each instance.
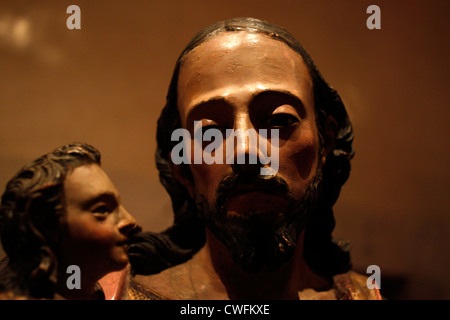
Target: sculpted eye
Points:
(102, 205)
(281, 120)
(101, 209)
(211, 126)
(205, 125)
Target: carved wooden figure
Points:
(238, 234)
(63, 227)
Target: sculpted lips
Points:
(250, 200)
(125, 244)
(251, 203)
(245, 196)
(126, 241)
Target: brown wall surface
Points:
(106, 84)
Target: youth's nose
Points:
(127, 223)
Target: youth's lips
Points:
(125, 244)
(127, 241)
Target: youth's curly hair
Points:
(30, 213)
(154, 252)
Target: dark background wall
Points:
(106, 84)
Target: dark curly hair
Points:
(153, 252)
(30, 212)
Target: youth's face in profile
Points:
(96, 225)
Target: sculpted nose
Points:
(127, 223)
(246, 156)
(247, 168)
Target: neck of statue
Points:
(88, 288)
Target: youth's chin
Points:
(115, 261)
(119, 259)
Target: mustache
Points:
(233, 183)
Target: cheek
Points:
(92, 232)
(299, 156)
(207, 178)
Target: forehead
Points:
(233, 61)
(85, 182)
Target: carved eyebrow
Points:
(213, 99)
(217, 99)
(277, 91)
(205, 109)
(284, 95)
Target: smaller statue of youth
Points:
(62, 210)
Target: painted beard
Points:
(259, 241)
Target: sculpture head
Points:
(246, 73)
(61, 210)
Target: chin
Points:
(260, 246)
(118, 261)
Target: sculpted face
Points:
(242, 80)
(96, 225)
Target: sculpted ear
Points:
(182, 174)
(329, 137)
